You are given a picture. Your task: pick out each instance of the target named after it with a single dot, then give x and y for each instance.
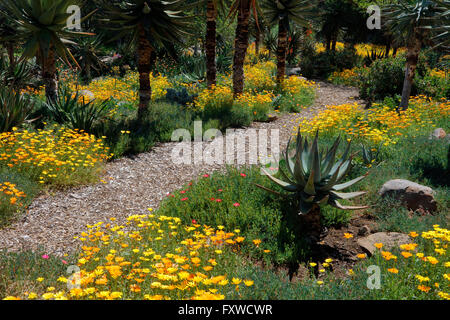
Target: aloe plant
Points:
(315, 178)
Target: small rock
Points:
(363, 231)
(413, 195)
(76, 196)
(388, 239)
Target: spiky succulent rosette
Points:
(315, 177)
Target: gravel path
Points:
(131, 186)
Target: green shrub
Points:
(8, 212)
(15, 109)
(435, 84)
(69, 110)
(321, 65)
(383, 78)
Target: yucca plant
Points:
(15, 109)
(315, 178)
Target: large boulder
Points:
(438, 133)
(413, 195)
(388, 239)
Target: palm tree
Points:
(284, 13)
(42, 26)
(416, 22)
(243, 9)
(149, 23)
(212, 8)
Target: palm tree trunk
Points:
(12, 60)
(388, 47)
(281, 52)
(412, 57)
(311, 223)
(49, 77)
(144, 67)
(240, 47)
(211, 68)
(328, 43)
(394, 53)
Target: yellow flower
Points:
(248, 283)
(348, 235)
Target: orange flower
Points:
(348, 235)
(406, 254)
(361, 255)
(393, 270)
(423, 288)
(257, 242)
(378, 245)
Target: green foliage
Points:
(181, 97)
(322, 65)
(41, 25)
(15, 109)
(23, 183)
(18, 76)
(19, 271)
(434, 86)
(69, 110)
(384, 78)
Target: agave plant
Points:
(315, 178)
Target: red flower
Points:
(243, 175)
(194, 221)
(205, 175)
(184, 191)
(212, 199)
(184, 199)
(218, 200)
(236, 204)
(220, 190)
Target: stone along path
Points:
(131, 186)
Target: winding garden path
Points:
(130, 186)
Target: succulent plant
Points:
(314, 177)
